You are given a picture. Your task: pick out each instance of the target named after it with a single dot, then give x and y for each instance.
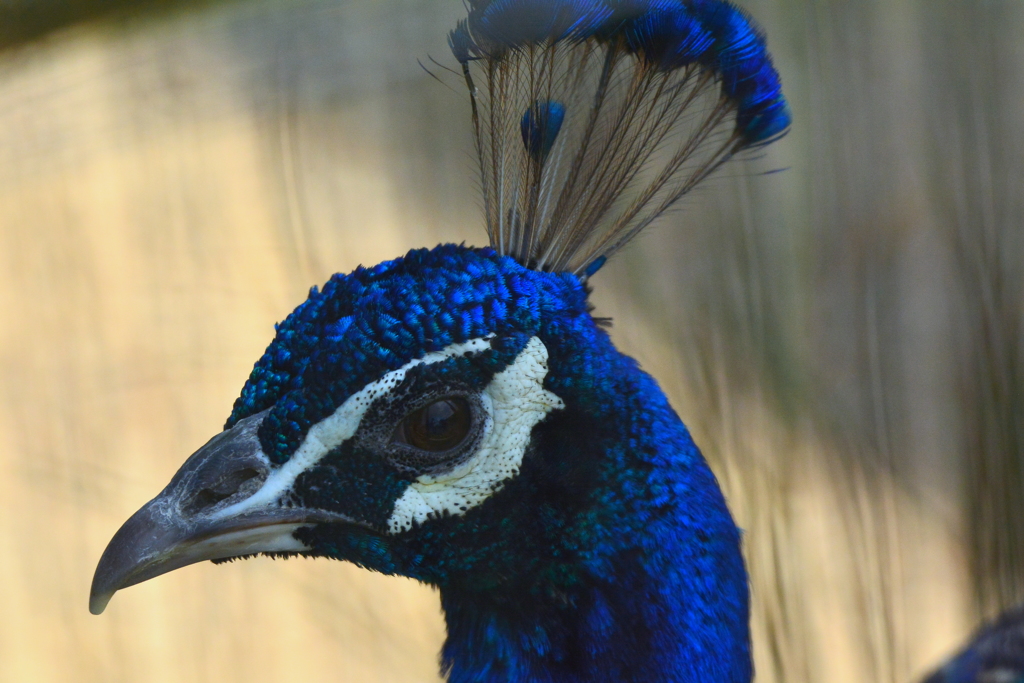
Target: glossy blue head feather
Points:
(374, 320)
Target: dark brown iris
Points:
(440, 426)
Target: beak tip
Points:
(104, 585)
(98, 602)
(99, 596)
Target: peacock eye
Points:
(437, 427)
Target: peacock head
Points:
(382, 425)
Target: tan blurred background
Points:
(843, 337)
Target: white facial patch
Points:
(331, 432)
(516, 400)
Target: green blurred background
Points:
(838, 320)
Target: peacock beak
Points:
(203, 515)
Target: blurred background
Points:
(838, 320)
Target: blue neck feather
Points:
(637, 574)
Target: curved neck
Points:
(637, 630)
(639, 577)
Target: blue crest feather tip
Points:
(540, 126)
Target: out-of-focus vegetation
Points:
(844, 337)
(25, 21)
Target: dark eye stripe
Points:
(362, 462)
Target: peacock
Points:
(460, 416)
(994, 655)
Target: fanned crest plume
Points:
(593, 117)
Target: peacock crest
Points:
(592, 118)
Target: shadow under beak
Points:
(202, 515)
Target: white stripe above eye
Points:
(331, 432)
(516, 401)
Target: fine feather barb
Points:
(591, 118)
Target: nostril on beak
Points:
(230, 467)
(241, 482)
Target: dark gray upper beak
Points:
(187, 523)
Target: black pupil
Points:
(440, 426)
